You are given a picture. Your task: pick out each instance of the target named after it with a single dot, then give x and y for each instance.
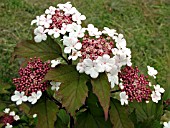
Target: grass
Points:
(145, 24)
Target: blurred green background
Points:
(144, 23)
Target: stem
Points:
(115, 91)
(71, 121)
(65, 59)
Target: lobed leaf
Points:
(119, 115)
(101, 88)
(73, 90)
(46, 111)
(46, 50)
(148, 111)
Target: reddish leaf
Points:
(73, 90)
(101, 88)
(46, 111)
(119, 116)
(47, 50)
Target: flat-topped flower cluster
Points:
(93, 51)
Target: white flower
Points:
(39, 34)
(63, 29)
(34, 116)
(113, 76)
(92, 68)
(120, 42)
(45, 20)
(75, 55)
(123, 98)
(155, 96)
(51, 10)
(71, 43)
(19, 97)
(166, 124)
(93, 31)
(110, 32)
(16, 117)
(12, 113)
(147, 101)
(65, 7)
(55, 85)
(34, 97)
(36, 21)
(55, 32)
(55, 63)
(158, 89)
(6, 110)
(121, 86)
(78, 17)
(80, 67)
(152, 72)
(8, 125)
(106, 62)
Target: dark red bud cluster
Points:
(31, 77)
(135, 85)
(92, 48)
(7, 119)
(59, 18)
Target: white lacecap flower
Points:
(39, 34)
(45, 20)
(19, 97)
(6, 110)
(166, 124)
(155, 96)
(120, 42)
(34, 116)
(78, 17)
(106, 62)
(121, 86)
(36, 21)
(12, 113)
(34, 97)
(75, 54)
(16, 117)
(92, 68)
(110, 32)
(80, 67)
(8, 125)
(50, 11)
(93, 31)
(113, 76)
(71, 43)
(55, 85)
(158, 89)
(55, 63)
(123, 98)
(152, 72)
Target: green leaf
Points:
(46, 111)
(149, 124)
(119, 115)
(64, 116)
(88, 120)
(101, 88)
(47, 50)
(4, 87)
(73, 90)
(147, 111)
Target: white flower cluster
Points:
(20, 97)
(12, 113)
(56, 21)
(156, 95)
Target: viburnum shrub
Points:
(78, 76)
